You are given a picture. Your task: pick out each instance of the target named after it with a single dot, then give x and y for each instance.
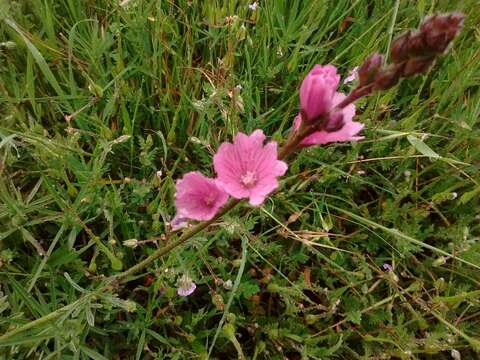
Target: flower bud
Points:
(440, 30)
(388, 77)
(369, 69)
(417, 65)
(399, 50)
(132, 243)
(317, 90)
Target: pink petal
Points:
(347, 133)
(317, 90)
(257, 199)
(181, 291)
(198, 197)
(248, 158)
(352, 75)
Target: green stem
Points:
(238, 279)
(166, 249)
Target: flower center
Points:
(209, 200)
(249, 179)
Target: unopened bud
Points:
(440, 30)
(417, 65)
(121, 139)
(316, 92)
(456, 355)
(439, 261)
(388, 77)
(435, 34)
(369, 69)
(132, 243)
(400, 47)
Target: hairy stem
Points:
(166, 249)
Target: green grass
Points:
(178, 78)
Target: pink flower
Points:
(317, 90)
(198, 197)
(186, 286)
(247, 168)
(347, 132)
(352, 75)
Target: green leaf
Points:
(466, 197)
(248, 288)
(355, 316)
(38, 57)
(422, 147)
(92, 354)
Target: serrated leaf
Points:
(422, 147)
(355, 316)
(248, 289)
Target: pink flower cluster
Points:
(246, 169)
(318, 98)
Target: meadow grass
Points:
(96, 97)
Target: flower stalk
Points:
(412, 53)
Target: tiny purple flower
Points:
(178, 222)
(186, 286)
(352, 75)
(388, 267)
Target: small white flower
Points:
(454, 195)
(456, 355)
(228, 284)
(253, 6)
(159, 174)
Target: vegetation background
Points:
(96, 97)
